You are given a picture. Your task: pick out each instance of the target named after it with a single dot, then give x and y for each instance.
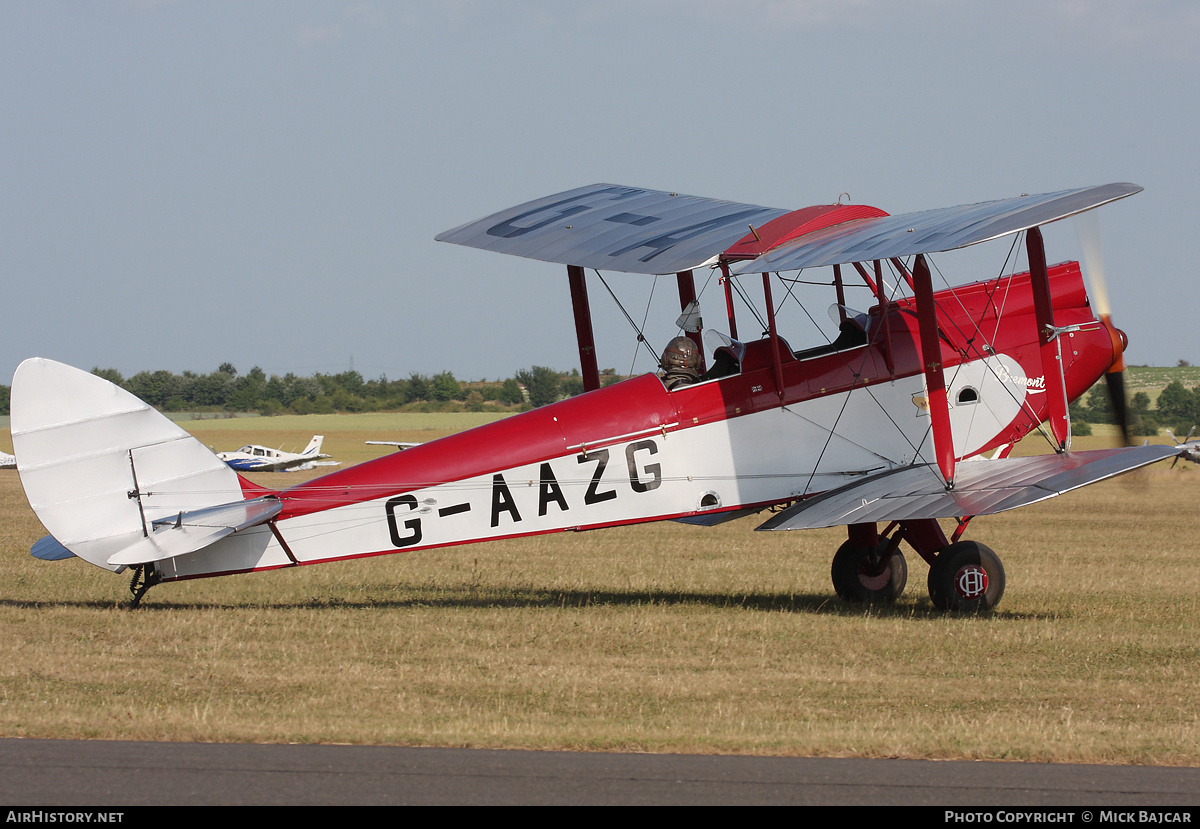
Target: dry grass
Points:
(656, 638)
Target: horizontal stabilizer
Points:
(981, 487)
(192, 531)
(47, 548)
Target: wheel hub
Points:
(971, 582)
(873, 576)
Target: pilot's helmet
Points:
(681, 353)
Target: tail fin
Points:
(314, 445)
(101, 468)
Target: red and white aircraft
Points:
(884, 424)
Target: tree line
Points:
(226, 390)
(1178, 409)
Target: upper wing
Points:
(981, 487)
(608, 227)
(932, 231)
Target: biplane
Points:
(901, 418)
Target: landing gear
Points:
(869, 574)
(963, 575)
(966, 575)
(145, 576)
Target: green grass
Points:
(1153, 379)
(1157, 378)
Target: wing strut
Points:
(776, 357)
(935, 380)
(1051, 348)
(885, 327)
(583, 328)
(729, 299)
(687, 295)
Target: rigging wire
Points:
(737, 287)
(895, 288)
(641, 338)
(646, 316)
(1024, 404)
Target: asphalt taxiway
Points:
(43, 773)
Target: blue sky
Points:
(187, 183)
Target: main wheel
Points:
(966, 575)
(860, 576)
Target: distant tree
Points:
(1099, 405)
(1141, 420)
(110, 374)
(572, 385)
(154, 387)
(1176, 404)
(541, 383)
(510, 392)
(445, 387)
(248, 391)
(5, 393)
(419, 388)
(1183, 364)
(211, 390)
(349, 381)
(1079, 412)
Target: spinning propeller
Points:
(1088, 228)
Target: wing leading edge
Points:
(981, 487)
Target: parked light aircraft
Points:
(255, 458)
(7, 461)
(882, 427)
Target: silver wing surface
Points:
(932, 231)
(981, 487)
(614, 228)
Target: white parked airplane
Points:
(255, 458)
(7, 461)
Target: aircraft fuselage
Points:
(634, 452)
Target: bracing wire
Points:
(641, 338)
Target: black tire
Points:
(857, 576)
(967, 576)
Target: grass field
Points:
(1155, 378)
(663, 638)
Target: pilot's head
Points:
(681, 355)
